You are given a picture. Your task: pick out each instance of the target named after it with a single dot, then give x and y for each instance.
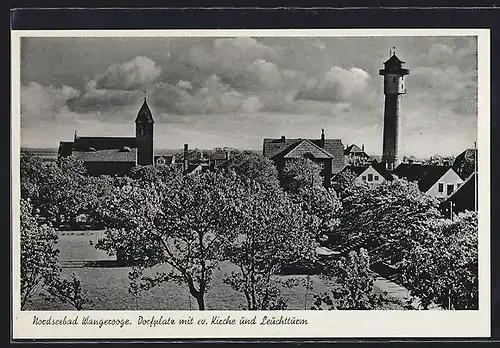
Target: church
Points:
(117, 155)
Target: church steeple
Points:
(144, 135)
(144, 115)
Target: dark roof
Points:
(273, 147)
(108, 155)
(103, 143)
(424, 175)
(393, 61)
(144, 115)
(465, 196)
(65, 148)
(304, 148)
(353, 149)
(382, 170)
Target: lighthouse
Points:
(394, 87)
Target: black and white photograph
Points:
(249, 172)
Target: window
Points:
(376, 178)
(364, 178)
(370, 177)
(440, 187)
(449, 189)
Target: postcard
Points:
(176, 184)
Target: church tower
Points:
(144, 135)
(394, 87)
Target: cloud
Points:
(43, 103)
(212, 97)
(337, 85)
(137, 73)
(440, 53)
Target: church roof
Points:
(108, 155)
(144, 115)
(424, 175)
(103, 143)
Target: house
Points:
(115, 155)
(164, 157)
(411, 160)
(371, 174)
(356, 156)
(437, 181)
(219, 157)
(328, 153)
(462, 199)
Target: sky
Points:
(235, 91)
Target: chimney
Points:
(283, 138)
(322, 137)
(186, 162)
(228, 154)
(363, 147)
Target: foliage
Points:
(443, 267)
(39, 263)
(465, 164)
(57, 191)
(393, 216)
(321, 207)
(253, 166)
(187, 222)
(343, 182)
(300, 173)
(352, 285)
(270, 234)
(439, 160)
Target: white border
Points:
(322, 324)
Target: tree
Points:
(343, 182)
(352, 286)
(321, 207)
(271, 233)
(186, 223)
(300, 173)
(57, 191)
(253, 166)
(39, 263)
(443, 268)
(392, 216)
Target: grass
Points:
(107, 288)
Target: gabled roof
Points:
(144, 115)
(304, 148)
(358, 170)
(424, 175)
(382, 170)
(467, 187)
(108, 155)
(274, 146)
(103, 143)
(353, 149)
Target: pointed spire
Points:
(144, 115)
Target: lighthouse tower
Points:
(394, 87)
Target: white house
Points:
(437, 181)
(372, 175)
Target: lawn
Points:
(107, 287)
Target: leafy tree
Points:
(352, 286)
(39, 263)
(392, 217)
(343, 182)
(465, 163)
(30, 168)
(443, 268)
(185, 223)
(271, 233)
(321, 207)
(300, 173)
(253, 166)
